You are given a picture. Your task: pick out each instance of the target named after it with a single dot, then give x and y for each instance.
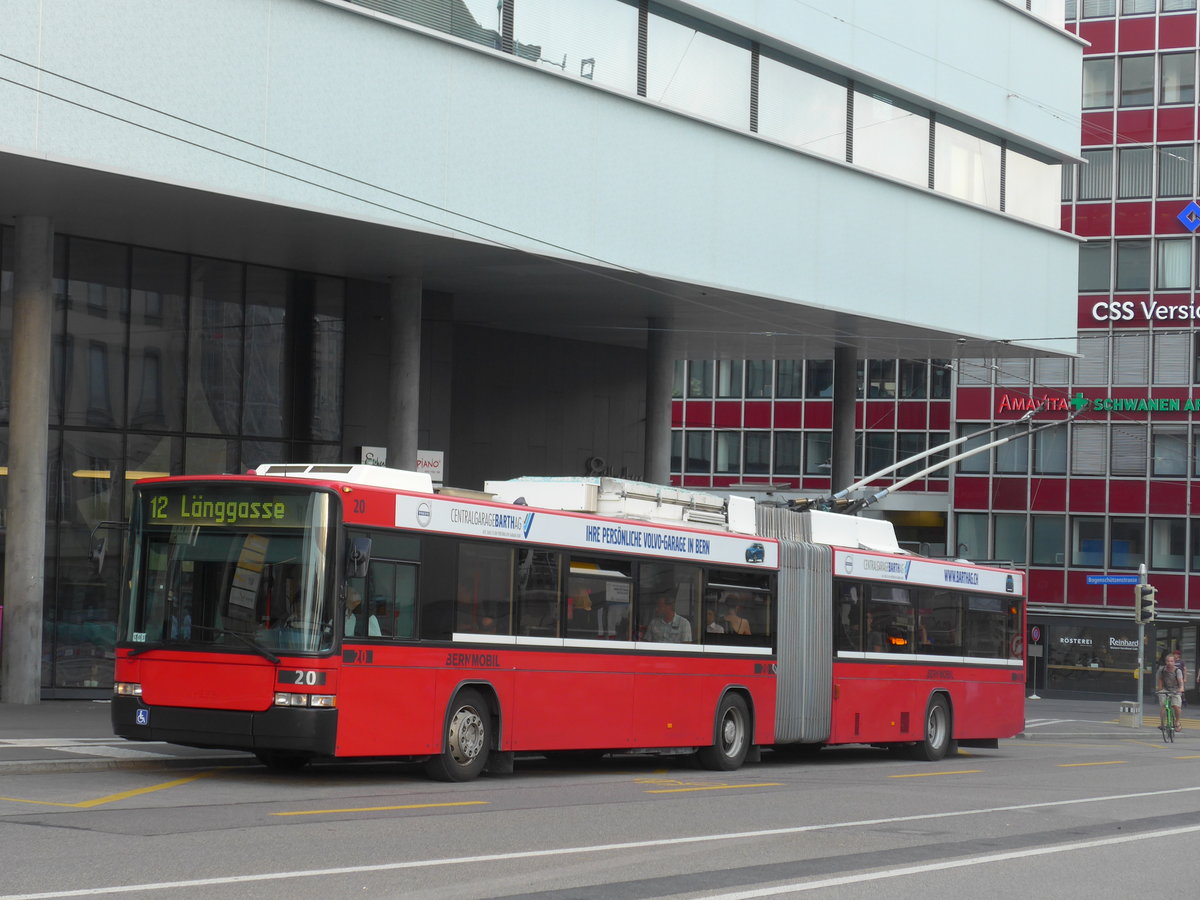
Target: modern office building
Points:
(1078, 505)
(250, 230)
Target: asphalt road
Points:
(1096, 818)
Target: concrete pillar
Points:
(660, 371)
(845, 389)
(29, 419)
(404, 381)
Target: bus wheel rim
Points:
(731, 733)
(466, 736)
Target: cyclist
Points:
(1169, 684)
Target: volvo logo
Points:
(424, 514)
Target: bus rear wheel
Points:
(466, 741)
(936, 743)
(732, 733)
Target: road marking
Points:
(317, 812)
(1115, 762)
(714, 787)
(113, 798)
(951, 864)
(932, 774)
(602, 848)
(1186, 757)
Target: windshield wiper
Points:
(145, 648)
(238, 636)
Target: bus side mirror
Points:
(100, 544)
(358, 555)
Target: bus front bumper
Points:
(277, 728)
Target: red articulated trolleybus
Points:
(338, 611)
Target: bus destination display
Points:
(224, 507)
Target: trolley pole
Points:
(1141, 639)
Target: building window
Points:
(979, 463)
(1031, 187)
(729, 453)
(700, 378)
(787, 452)
(1089, 449)
(690, 67)
(1171, 363)
(1098, 83)
(1137, 81)
(788, 378)
(1010, 538)
(966, 165)
(1175, 167)
(758, 453)
(1095, 265)
(676, 451)
(699, 451)
(816, 453)
(729, 378)
(1177, 78)
(802, 108)
(1177, 5)
(881, 379)
(758, 378)
(1134, 7)
(914, 383)
(1091, 367)
(1127, 450)
(1127, 543)
(1133, 265)
(1168, 544)
(1050, 452)
(939, 379)
(1135, 172)
(908, 444)
(1131, 359)
(818, 378)
(880, 450)
(1069, 173)
(1170, 451)
(1051, 370)
(971, 536)
(678, 377)
(1087, 542)
(1013, 371)
(1095, 176)
(1049, 543)
(1013, 458)
(891, 137)
(1097, 9)
(1174, 264)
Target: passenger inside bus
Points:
(667, 626)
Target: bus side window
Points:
(391, 598)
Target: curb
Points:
(69, 766)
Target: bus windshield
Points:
(231, 567)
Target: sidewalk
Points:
(76, 736)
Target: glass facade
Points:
(163, 363)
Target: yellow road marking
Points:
(714, 787)
(113, 798)
(317, 812)
(930, 774)
(1115, 762)
(1185, 757)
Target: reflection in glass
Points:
(801, 108)
(1049, 542)
(693, 70)
(1137, 80)
(215, 347)
(265, 385)
(1097, 83)
(966, 165)
(1168, 543)
(157, 340)
(1177, 78)
(94, 345)
(787, 452)
(1031, 188)
(591, 39)
(891, 137)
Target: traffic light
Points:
(1147, 603)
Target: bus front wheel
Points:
(732, 733)
(466, 740)
(937, 732)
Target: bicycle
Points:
(1168, 721)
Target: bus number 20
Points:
(308, 677)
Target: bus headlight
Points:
(127, 689)
(323, 701)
